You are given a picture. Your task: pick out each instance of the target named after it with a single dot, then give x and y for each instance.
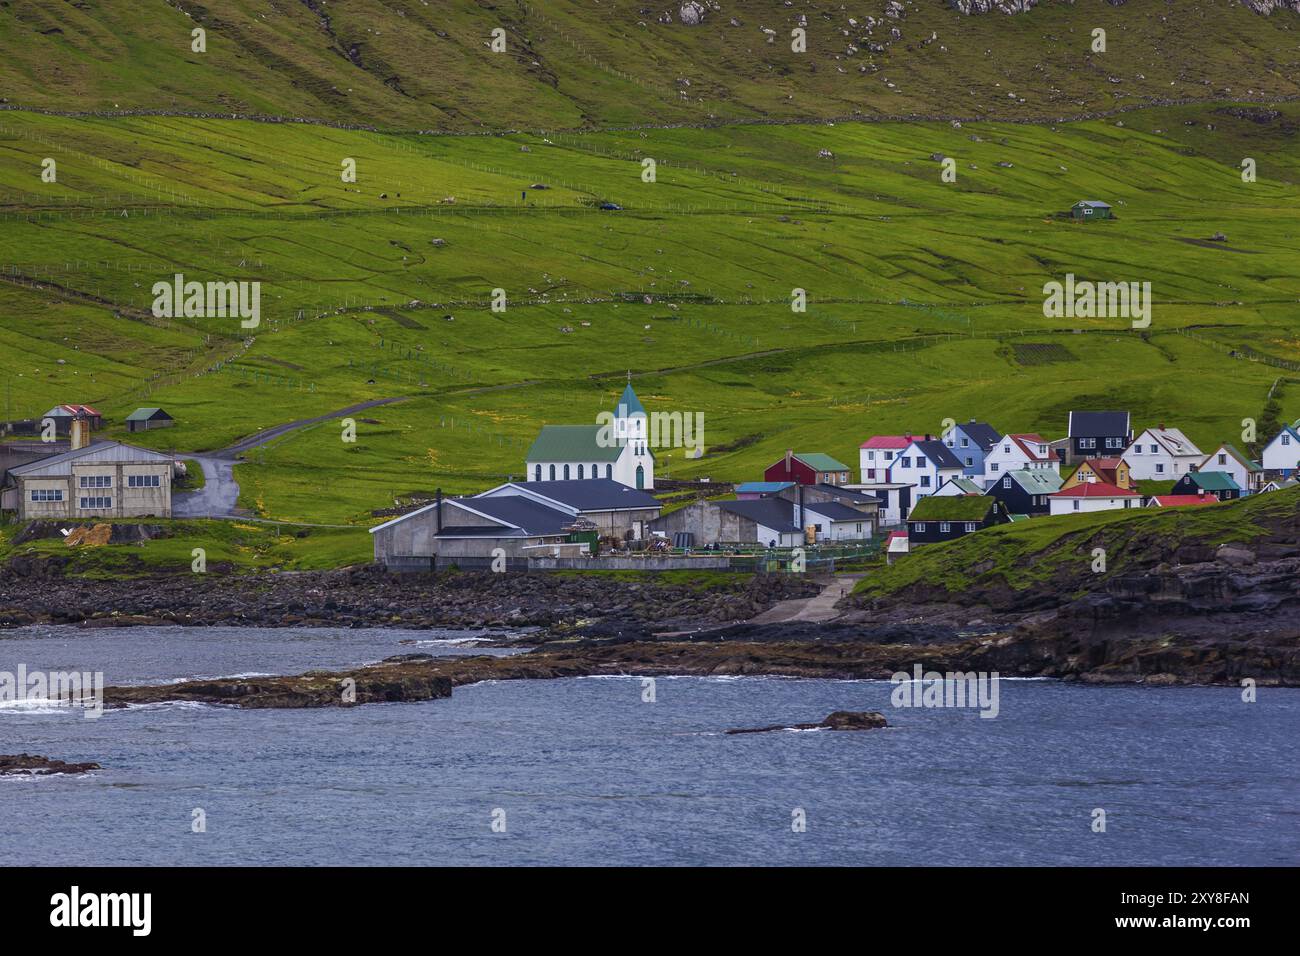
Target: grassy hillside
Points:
(417, 64)
(925, 298)
(1059, 550)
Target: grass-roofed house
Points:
(939, 518)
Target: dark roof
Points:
(532, 517)
(952, 508)
(774, 513)
(590, 494)
(146, 415)
(835, 511)
(1098, 424)
(939, 453)
(981, 433)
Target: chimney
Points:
(79, 432)
(438, 511)
(927, 436)
(789, 456)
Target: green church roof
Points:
(572, 443)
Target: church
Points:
(617, 447)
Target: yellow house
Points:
(1110, 471)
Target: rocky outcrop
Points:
(840, 720)
(38, 591)
(31, 765)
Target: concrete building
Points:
(515, 521)
(99, 480)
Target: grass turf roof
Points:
(952, 508)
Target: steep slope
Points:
(416, 64)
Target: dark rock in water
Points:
(840, 720)
(33, 765)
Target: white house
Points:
(925, 464)
(1282, 454)
(619, 451)
(1162, 453)
(1093, 496)
(1017, 452)
(1249, 475)
(876, 455)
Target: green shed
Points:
(1086, 209)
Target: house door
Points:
(640, 478)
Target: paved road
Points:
(219, 496)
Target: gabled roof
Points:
(1096, 489)
(1036, 481)
(835, 511)
(952, 508)
(1181, 501)
(628, 403)
(516, 516)
(588, 494)
(963, 483)
(762, 487)
(1094, 203)
(1293, 430)
(1233, 452)
(1028, 443)
(774, 513)
(819, 462)
(938, 452)
(114, 451)
(887, 441)
(572, 443)
(981, 433)
(60, 411)
(1212, 480)
(1098, 424)
(1173, 441)
(145, 414)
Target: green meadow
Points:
(924, 297)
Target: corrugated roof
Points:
(1173, 441)
(144, 414)
(1036, 481)
(1094, 203)
(774, 513)
(589, 494)
(1180, 501)
(1096, 489)
(835, 511)
(100, 451)
(887, 441)
(572, 443)
(1212, 480)
(819, 462)
(762, 487)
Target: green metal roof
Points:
(629, 402)
(1213, 480)
(952, 508)
(819, 462)
(571, 443)
(144, 414)
(1036, 481)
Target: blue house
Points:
(970, 442)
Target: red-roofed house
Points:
(877, 453)
(64, 414)
(1182, 501)
(1014, 452)
(1093, 496)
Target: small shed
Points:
(142, 419)
(1090, 209)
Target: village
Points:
(588, 496)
